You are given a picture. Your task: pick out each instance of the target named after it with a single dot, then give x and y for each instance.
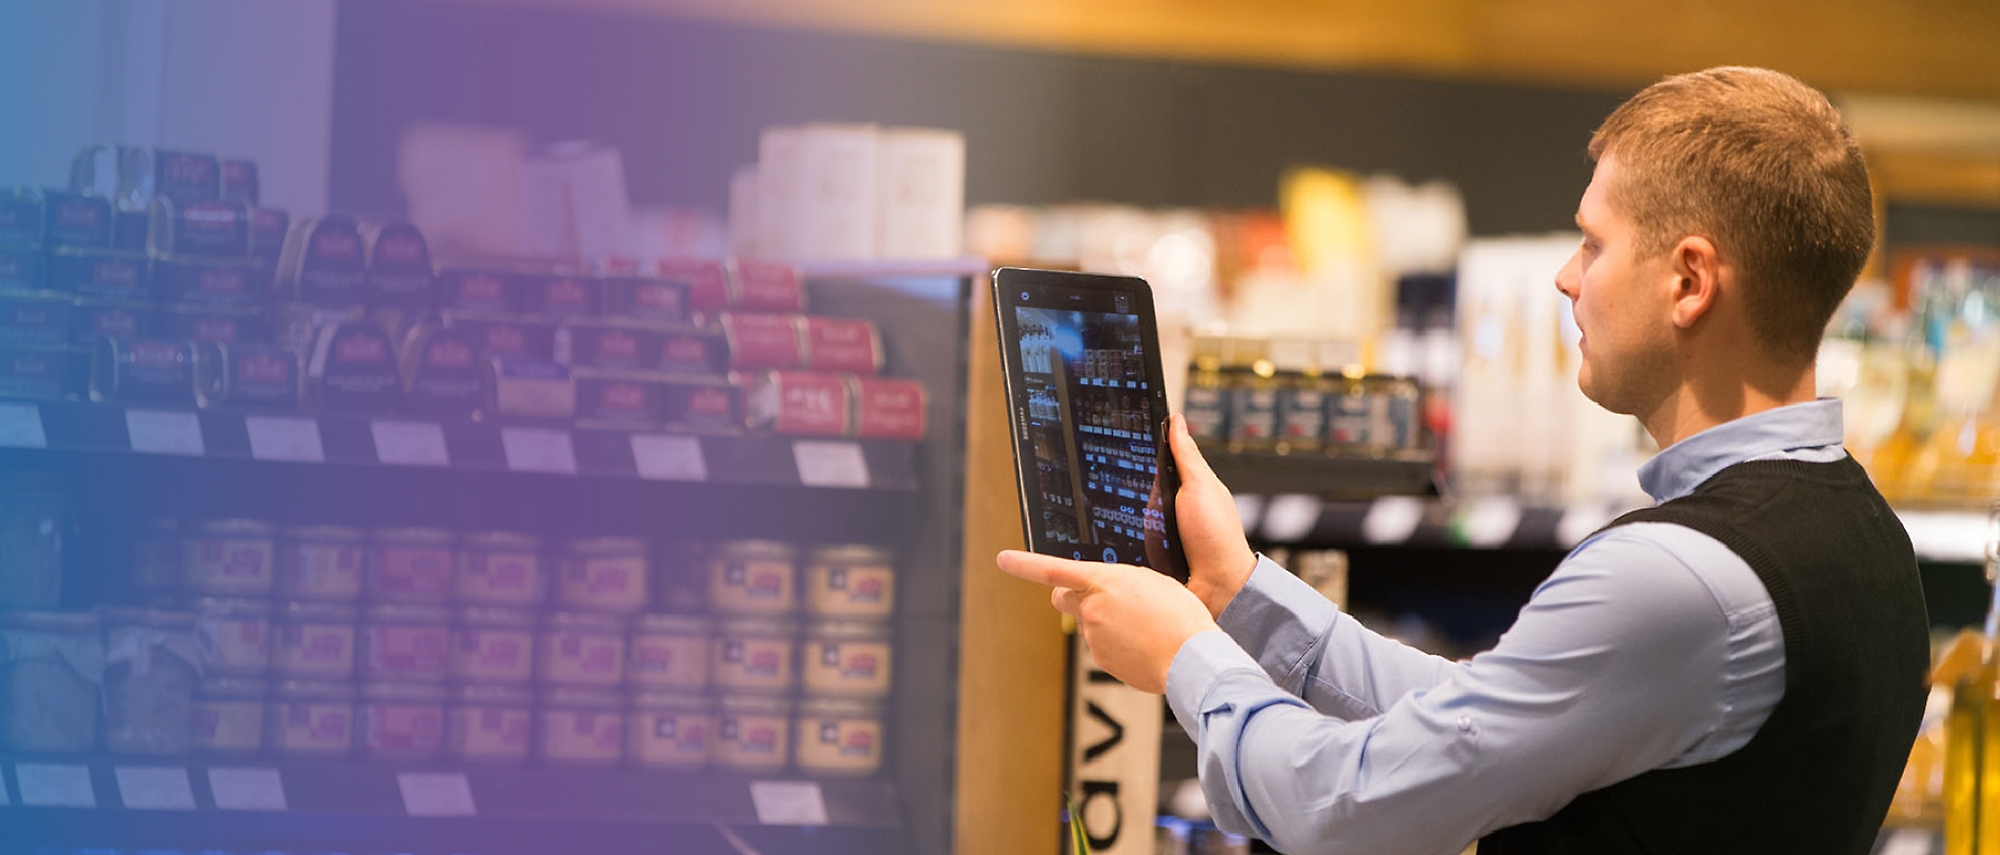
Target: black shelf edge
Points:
(1333, 476)
(571, 796)
(1300, 520)
(760, 460)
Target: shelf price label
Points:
(538, 450)
(830, 464)
(247, 789)
(402, 443)
(21, 426)
(155, 788)
(55, 785)
(1290, 517)
(285, 438)
(164, 432)
(436, 794)
(788, 802)
(669, 458)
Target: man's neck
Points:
(1696, 407)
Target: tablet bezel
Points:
(1008, 284)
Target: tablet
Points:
(1084, 388)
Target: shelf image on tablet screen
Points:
(1091, 414)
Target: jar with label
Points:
(405, 643)
(230, 558)
(51, 664)
(753, 577)
(499, 568)
(410, 565)
(229, 716)
(234, 635)
(583, 727)
(754, 654)
(32, 521)
(156, 560)
(680, 577)
(670, 652)
(320, 562)
(846, 657)
(851, 581)
(493, 645)
(489, 723)
(400, 721)
(311, 718)
(839, 736)
(151, 665)
(752, 733)
(582, 649)
(315, 641)
(670, 730)
(606, 574)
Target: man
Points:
(1738, 669)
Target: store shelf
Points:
(1301, 520)
(1328, 476)
(755, 459)
(268, 803)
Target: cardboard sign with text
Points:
(1114, 759)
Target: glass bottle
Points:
(1971, 765)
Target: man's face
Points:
(1622, 304)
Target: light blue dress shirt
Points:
(1651, 646)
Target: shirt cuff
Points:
(1279, 620)
(1196, 666)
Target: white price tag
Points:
(1392, 519)
(21, 426)
(155, 788)
(55, 785)
(436, 794)
(1290, 517)
(286, 438)
(538, 450)
(410, 443)
(164, 432)
(830, 464)
(1491, 521)
(247, 789)
(669, 458)
(788, 802)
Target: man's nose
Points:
(1567, 279)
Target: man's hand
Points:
(1218, 555)
(1134, 619)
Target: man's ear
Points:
(1696, 268)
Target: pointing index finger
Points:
(1049, 570)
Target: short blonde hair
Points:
(1762, 165)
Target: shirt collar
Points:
(1683, 466)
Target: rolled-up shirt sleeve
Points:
(1613, 668)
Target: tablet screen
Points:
(1085, 382)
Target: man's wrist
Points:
(1217, 597)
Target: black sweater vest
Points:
(1817, 777)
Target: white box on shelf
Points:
(577, 207)
(837, 193)
(743, 212)
(778, 154)
(923, 194)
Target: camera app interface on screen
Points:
(1089, 401)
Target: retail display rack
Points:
(118, 465)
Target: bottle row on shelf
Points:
(1286, 395)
